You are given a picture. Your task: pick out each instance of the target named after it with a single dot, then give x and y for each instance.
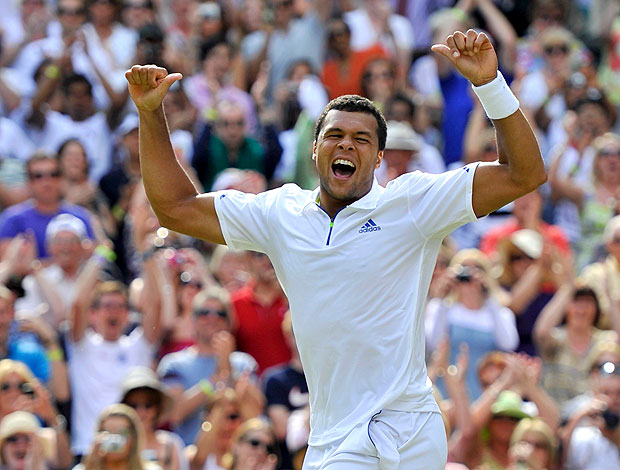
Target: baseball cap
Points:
(65, 223)
(401, 136)
(528, 241)
(509, 403)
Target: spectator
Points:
(565, 349)
(78, 189)
(604, 276)
(227, 145)
(379, 81)
(532, 446)
(118, 442)
(213, 442)
(229, 267)
(138, 13)
(35, 214)
(254, 447)
(100, 357)
(142, 391)
(598, 201)
(23, 444)
(470, 312)
(342, 71)
(259, 309)
(195, 373)
(596, 446)
(286, 390)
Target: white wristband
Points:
(497, 98)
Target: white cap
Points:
(528, 241)
(65, 223)
(401, 136)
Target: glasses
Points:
(15, 438)
(205, 312)
(71, 11)
(225, 123)
(556, 49)
(22, 387)
(39, 175)
(609, 153)
(147, 405)
(518, 257)
(256, 443)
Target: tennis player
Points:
(355, 259)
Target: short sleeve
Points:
(168, 373)
(275, 393)
(440, 203)
(244, 218)
(9, 227)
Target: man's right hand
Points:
(148, 84)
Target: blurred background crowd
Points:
(126, 346)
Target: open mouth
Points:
(342, 168)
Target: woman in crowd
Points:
(215, 436)
(23, 445)
(254, 447)
(469, 311)
(118, 442)
(143, 392)
(532, 446)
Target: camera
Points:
(463, 273)
(113, 442)
(611, 418)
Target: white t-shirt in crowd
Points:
(357, 286)
(590, 450)
(364, 35)
(97, 369)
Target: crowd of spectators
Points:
(124, 345)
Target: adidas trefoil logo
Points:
(370, 226)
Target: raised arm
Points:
(175, 200)
(520, 168)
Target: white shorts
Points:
(392, 440)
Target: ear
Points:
(379, 158)
(314, 150)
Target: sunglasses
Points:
(15, 438)
(205, 312)
(256, 443)
(39, 175)
(22, 387)
(147, 405)
(517, 257)
(71, 11)
(609, 153)
(552, 50)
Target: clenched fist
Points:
(148, 84)
(472, 54)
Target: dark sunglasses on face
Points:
(38, 175)
(205, 312)
(15, 438)
(560, 49)
(22, 387)
(71, 11)
(256, 443)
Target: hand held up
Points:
(148, 84)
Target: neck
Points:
(499, 451)
(103, 29)
(203, 348)
(118, 465)
(46, 207)
(472, 302)
(267, 291)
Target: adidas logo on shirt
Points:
(369, 226)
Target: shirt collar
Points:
(368, 201)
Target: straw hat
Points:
(23, 422)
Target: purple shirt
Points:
(23, 217)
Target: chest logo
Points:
(369, 226)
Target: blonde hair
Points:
(212, 292)
(539, 427)
(599, 144)
(253, 424)
(135, 461)
(9, 366)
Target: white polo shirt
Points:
(356, 285)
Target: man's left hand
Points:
(472, 54)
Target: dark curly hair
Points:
(354, 104)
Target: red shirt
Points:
(350, 82)
(259, 328)
(552, 233)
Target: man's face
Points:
(210, 320)
(397, 161)
(66, 249)
(261, 267)
(230, 127)
(217, 61)
(44, 181)
(79, 102)
(283, 12)
(111, 316)
(347, 154)
(71, 14)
